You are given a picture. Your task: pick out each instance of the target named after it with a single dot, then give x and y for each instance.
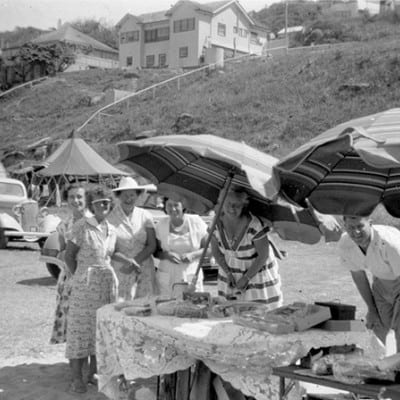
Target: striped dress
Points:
(265, 286)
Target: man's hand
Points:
(372, 320)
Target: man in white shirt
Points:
(376, 249)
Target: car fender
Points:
(51, 250)
(7, 222)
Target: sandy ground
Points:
(33, 369)
(30, 367)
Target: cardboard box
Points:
(318, 315)
(339, 310)
(343, 325)
(295, 314)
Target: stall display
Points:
(143, 347)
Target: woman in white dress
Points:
(182, 237)
(135, 239)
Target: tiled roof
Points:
(66, 33)
(212, 6)
(153, 17)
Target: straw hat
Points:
(128, 183)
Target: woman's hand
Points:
(188, 257)
(231, 280)
(173, 257)
(133, 266)
(243, 282)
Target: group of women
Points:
(108, 247)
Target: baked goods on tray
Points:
(360, 370)
(138, 307)
(231, 308)
(293, 317)
(182, 309)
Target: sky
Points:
(44, 14)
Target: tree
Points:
(56, 56)
(299, 13)
(98, 30)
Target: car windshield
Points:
(10, 189)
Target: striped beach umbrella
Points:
(347, 170)
(199, 166)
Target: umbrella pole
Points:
(218, 211)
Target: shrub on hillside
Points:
(363, 28)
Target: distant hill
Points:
(273, 104)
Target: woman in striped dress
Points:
(248, 267)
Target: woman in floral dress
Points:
(77, 205)
(93, 282)
(135, 239)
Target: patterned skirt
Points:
(92, 288)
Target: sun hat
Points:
(128, 183)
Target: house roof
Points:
(66, 33)
(76, 157)
(212, 7)
(153, 17)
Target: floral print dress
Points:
(59, 332)
(94, 284)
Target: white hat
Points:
(128, 183)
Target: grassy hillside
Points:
(274, 104)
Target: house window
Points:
(131, 36)
(162, 60)
(235, 29)
(129, 61)
(221, 29)
(254, 38)
(183, 52)
(156, 35)
(184, 25)
(243, 33)
(150, 61)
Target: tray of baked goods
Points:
(297, 316)
(349, 364)
(190, 305)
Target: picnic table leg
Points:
(182, 389)
(169, 386)
(281, 388)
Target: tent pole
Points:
(225, 190)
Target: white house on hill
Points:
(188, 34)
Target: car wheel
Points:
(3, 239)
(53, 269)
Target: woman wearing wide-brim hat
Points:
(135, 239)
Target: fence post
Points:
(179, 83)
(154, 92)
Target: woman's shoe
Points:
(78, 387)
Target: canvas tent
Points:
(76, 160)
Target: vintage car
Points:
(20, 217)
